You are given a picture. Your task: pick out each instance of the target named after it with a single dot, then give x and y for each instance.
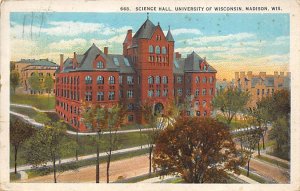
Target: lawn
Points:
(272, 161)
(235, 123)
(38, 101)
(253, 176)
(25, 111)
(87, 145)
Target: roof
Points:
(40, 62)
(191, 64)
(124, 67)
(169, 36)
(146, 30)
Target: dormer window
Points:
(151, 49)
(205, 67)
(164, 50)
(100, 65)
(157, 50)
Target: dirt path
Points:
(126, 168)
(279, 174)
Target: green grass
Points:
(272, 161)
(235, 123)
(253, 176)
(138, 178)
(87, 145)
(25, 111)
(83, 163)
(14, 177)
(38, 101)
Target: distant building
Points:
(148, 69)
(26, 68)
(223, 84)
(262, 85)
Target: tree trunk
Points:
(258, 149)
(16, 155)
(241, 144)
(150, 159)
(248, 167)
(108, 165)
(97, 165)
(54, 169)
(263, 141)
(77, 142)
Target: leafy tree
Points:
(34, 82)
(48, 85)
(199, 149)
(47, 145)
(230, 102)
(14, 80)
(19, 133)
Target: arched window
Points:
(211, 80)
(157, 50)
(197, 79)
(100, 80)
(164, 79)
(203, 103)
(204, 80)
(111, 80)
(88, 80)
(150, 80)
(151, 49)
(157, 80)
(163, 50)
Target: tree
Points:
(19, 133)
(34, 82)
(230, 102)
(95, 117)
(48, 85)
(199, 149)
(14, 80)
(47, 145)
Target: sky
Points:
(230, 42)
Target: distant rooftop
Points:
(40, 62)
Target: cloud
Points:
(22, 47)
(217, 39)
(68, 44)
(281, 40)
(66, 28)
(180, 31)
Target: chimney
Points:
(74, 60)
(242, 75)
(177, 55)
(276, 74)
(61, 61)
(106, 50)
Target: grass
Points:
(253, 176)
(235, 123)
(137, 178)
(38, 101)
(87, 145)
(83, 163)
(14, 177)
(25, 111)
(272, 161)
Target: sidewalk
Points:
(73, 159)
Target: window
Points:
(100, 64)
(150, 93)
(129, 94)
(198, 113)
(111, 95)
(165, 92)
(120, 79)
(203, 103)
(126, 62)
(100, 80)
(188, 91)
(88, 80)
(188, 113)
(157, 93)
(88, 96)
(204, 91)
(258, 91)
(179, 79)
(157, 80)
(204, 80)
(204, 113)
(268, 91)
(130, 107)
(150, 80)
(129, 79)
(100, 96)
(116, 61)
(164, 79)
(157, 50)
(211, 79)
(179, 92)
(211, 91)
(197, 92)
(111, 80)
(263, 91)
(205, 68)
(150, 49)
(164, 50)
(130, 118)
(197, 79)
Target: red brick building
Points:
(148, 69)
